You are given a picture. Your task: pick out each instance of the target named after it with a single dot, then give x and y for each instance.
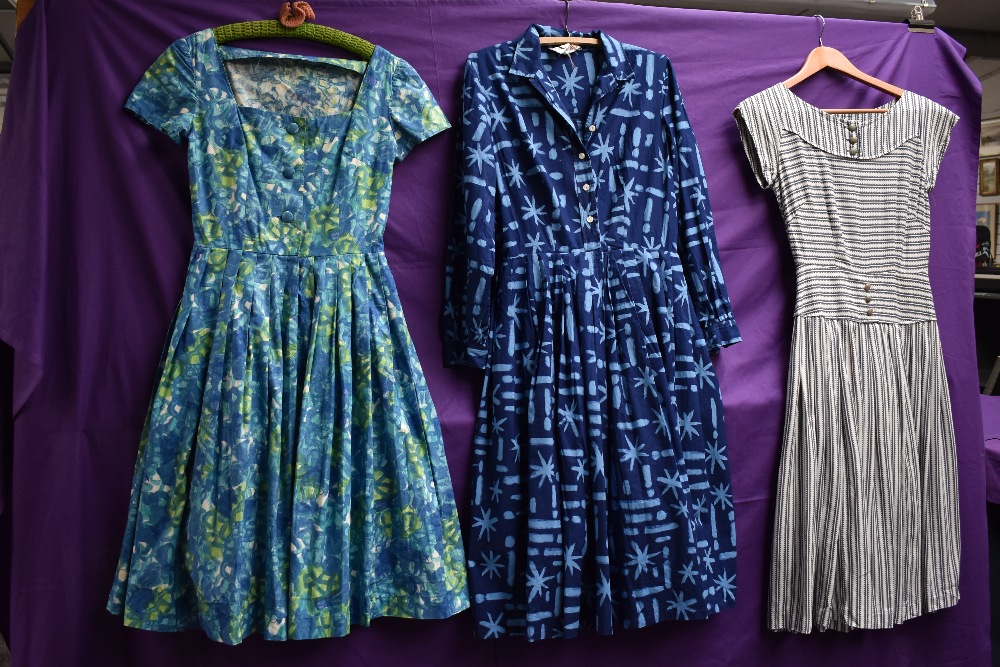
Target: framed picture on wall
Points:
(986, 235)
(989, 180)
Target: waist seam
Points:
(279, 254)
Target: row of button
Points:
(586, 186)
(853, 139)
(292, 128)
(868, 288)
(583, 156)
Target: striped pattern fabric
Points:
(866, 531)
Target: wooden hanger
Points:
(823, 57)
(565, 44)
(291, 23)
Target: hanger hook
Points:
(822, 28)
(566, 18)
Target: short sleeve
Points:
(167, 95)
(758, 142)
(940, 122)
(414, 113)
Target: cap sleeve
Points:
(413, 111)
(940, 122)
(167, 95)
(758, 140)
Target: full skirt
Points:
(601, 493)
(291, 477)
(866, 532)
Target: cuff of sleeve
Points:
(723, 333)
(431, 129)
(155, 120)
(466, 357)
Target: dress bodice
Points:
(288, 154)
(853, 191)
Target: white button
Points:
(586, 187)
(592, 128)
(582, 156)
(590, 218)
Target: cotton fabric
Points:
(584, 279)
(93, 255)
(866, 533)
(291, 478)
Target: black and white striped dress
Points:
(866, 532)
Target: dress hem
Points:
(487, 633)
(341, 630)
(839, 625)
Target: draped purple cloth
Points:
(94, 236)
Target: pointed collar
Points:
(527, 58)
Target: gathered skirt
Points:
(602, 496)
(291, 478)
(866, 531)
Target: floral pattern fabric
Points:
(584, 279)
(291, 477)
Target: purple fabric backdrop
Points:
(94, 243)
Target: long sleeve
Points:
(696, 230)
(469, 273)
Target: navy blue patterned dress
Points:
(584, 279)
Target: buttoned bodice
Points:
(289, 154)
(853, 193)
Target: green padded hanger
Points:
(310, 31)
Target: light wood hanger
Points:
(291, 23)
(566, 44)
(823, 57)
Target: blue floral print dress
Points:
(291, 477)
(584, 279)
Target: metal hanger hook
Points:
(822, 28)
(566, 18)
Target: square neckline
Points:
(223, 53)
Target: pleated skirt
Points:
(866, 531)
(291, 478)
(601, 494)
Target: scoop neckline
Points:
(222, 54)
(843, 119)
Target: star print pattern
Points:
(583, 278)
